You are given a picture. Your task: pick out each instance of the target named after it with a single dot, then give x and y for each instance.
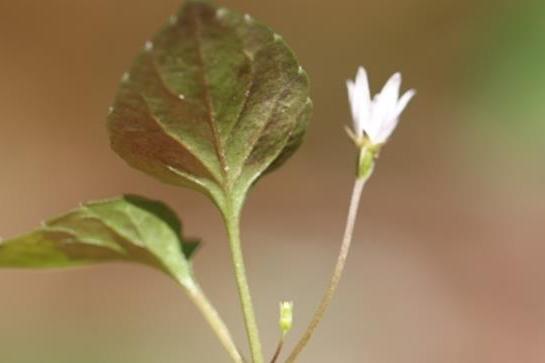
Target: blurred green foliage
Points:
(507, 86)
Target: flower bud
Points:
(286, 316)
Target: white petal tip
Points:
(395, 80)
(409, 95)
(361, 69)
(361, 75)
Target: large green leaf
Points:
(129, 228)
(213, 101)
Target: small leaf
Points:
(129, 228)
(212, 102)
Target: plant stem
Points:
(214, 320)
(232, 223)
(278, 350)
(337, 272)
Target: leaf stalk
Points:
(214, 320)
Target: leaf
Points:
(129, 228)
(212, 102)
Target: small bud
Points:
(286, 316)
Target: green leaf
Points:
(212, 102)
(129, 228)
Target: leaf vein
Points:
(207, 97)
(253, 143)
(174, 137)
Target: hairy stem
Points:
(337, 272)
(214, 320)
(232, 222)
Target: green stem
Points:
(214, 320)
(232, 223)
(337, 272)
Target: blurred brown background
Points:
(448, 263)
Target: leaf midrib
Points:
(220, 150)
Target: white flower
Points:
(378, 117)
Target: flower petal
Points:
(364, 98)
(375, 118)
(386, 131)
(354, 108)
(391, 89)
(362, 85)
(359, 96)
(390, 92)
(383, 104)
(404, 101)
(389, 126)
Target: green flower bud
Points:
(286, 316)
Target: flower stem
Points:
(214, 320)
(232, 222)
(278, 350)
(337, 272)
